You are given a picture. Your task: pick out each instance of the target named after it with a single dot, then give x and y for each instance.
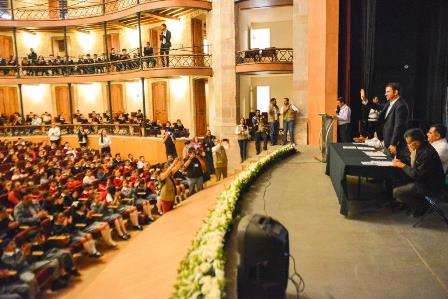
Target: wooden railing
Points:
(108, 67)
(268, 55)
(112, 129)
(71, 12)
(91, 128)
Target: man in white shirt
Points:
(36, 120)
(343, 115)
(437, 138)
(289, 112)
(46, 118)
(54, 133)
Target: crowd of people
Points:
(115, 61)
(422, 159)
(136, 119)
(56, 200)
(265, 126)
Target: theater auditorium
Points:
(252, 149)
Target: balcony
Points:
(249, 4)
(96, 13)
(269, 60)
(140, 67)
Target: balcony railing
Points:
(108, 67)
(91, 128)
(113, 129)
(268, 55)
(72, 12)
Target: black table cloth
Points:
(343, 162)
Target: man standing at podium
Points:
(343, 114)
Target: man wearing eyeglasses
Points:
(437, 138)
(424, 171)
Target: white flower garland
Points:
(201, 272)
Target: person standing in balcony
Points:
(149, 51)
(165, 45)
(32, 56)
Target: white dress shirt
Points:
(441, 147)
(390, 106)
(344, 115)
(106, 142)
(54, 133)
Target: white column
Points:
(222, 86)
(300, 75)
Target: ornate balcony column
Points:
(70, 99)
(16, 51)
(11, 7)
(21, 100)
(222, 86)
(140, 51)
(144, 104)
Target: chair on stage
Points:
(434, 208)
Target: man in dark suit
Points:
(424, 170)
(394, 118)
(165, 44)
(149, 51)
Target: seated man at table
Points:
(437, 138)
(425, 171)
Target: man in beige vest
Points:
(289, 112)
(220, 159)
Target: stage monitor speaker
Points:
(263, 248)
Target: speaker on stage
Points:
(263, 249)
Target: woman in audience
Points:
(113, 199)
(168, 189)
(142, 195)
(82, 137)
(242, 133)
(83, 218)
(108, 215)
(104, 143)
(208, 144)
(62, 226)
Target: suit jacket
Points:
(427, 172)
(395, 124)
(167, 38)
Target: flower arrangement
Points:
(201, 272)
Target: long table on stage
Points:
(343, 162)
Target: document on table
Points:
(375, 154)
(379, 158)
(365, 148)
(377, 163)
(348, 147)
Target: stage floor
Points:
(375, 254)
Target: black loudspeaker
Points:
(263, 248)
